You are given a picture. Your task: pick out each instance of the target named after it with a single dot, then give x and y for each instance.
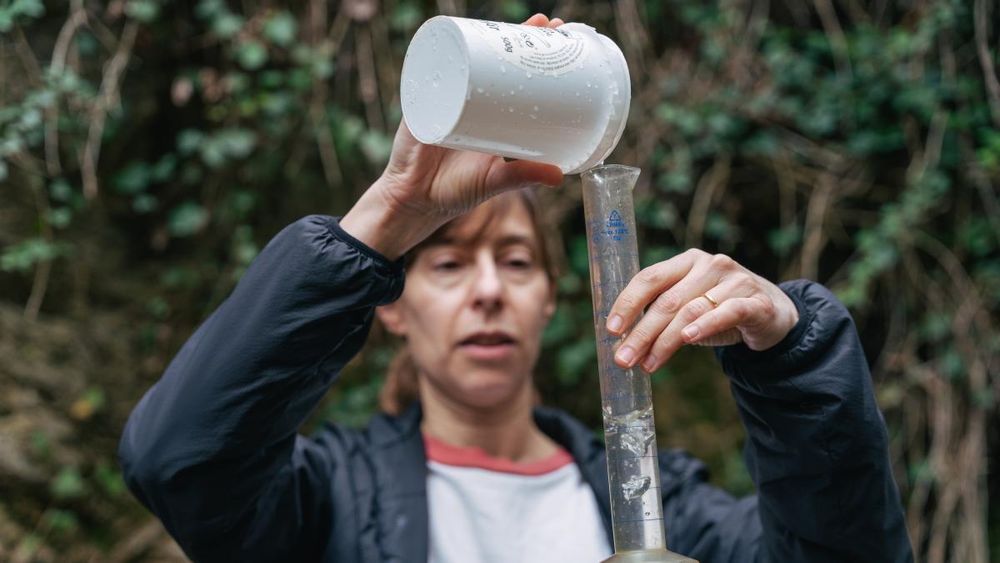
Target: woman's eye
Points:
(446, 266)
(519, 263)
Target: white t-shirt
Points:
(490, 510)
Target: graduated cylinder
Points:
(626, 395)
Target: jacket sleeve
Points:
(816, 449)
(212, 448)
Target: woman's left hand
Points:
(697, 298)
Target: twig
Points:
(632, 33)
(813, 237)
(27, 57)
(316, 22)
(367, 78)
(451, 7)
(108, 97)
(981, 17)
(387, 70)
(781, 165)
(828, 17)
(137, 543)
(324, 139)
(43, 270)
(76, 19)
(709, 184)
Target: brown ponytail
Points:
(400, 389)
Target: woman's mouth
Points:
(488, 346)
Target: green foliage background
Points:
(148, 149)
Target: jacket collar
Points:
(399, 447)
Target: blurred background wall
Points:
(148, 149)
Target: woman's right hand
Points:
(424, 186)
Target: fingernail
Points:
(649, 364)
(625, 355)
(615, 323)
(691, 332)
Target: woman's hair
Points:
(400, 389)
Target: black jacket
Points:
(212, 448)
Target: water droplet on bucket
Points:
(510, 109)
(503, 69)
(511, 92)
(520, 86)
(527, 74)
(532, 116)
(479, 90)
(534, 108)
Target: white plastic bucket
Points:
(559, 96)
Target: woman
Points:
(474, 472)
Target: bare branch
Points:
(982, 18)
(107, 98)
(828, 16)
(704, 194)
(814, 239)
(76, 19)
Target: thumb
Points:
(504, 176)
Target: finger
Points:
(555, 22)
(649, 330)
(538, 20)
(668, 337)
(645, 287)
(721, 322)
(504, 176)
(671, 337)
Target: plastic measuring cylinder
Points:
(626, 395)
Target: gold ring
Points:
(710, 300)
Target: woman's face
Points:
(474, 306)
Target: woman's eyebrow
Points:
(509, 240)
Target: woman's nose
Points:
(487, 286)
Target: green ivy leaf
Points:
(281, 28)
(376, 146)
(236, 142)
(187, 219)
(133, 179)
(251, 55)
(144, 203)
(61, 522)
(60, 217)
(406, 16)
(22, 256)
(68, 484)
(572, 360)
(144, 11)
(227, 25)
(189, 140)
(109, 479)
(514, 10)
